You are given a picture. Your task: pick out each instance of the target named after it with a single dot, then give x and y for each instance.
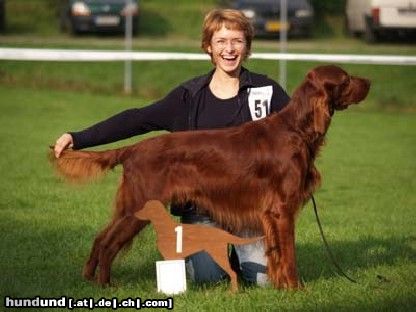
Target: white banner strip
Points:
(93, 55)
(340, 58)
(21, 54)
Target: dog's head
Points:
(332, 88)
(339, 89)
(151, 209)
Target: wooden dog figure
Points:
(193, 238)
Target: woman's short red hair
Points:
(231, 19)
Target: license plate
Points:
(107, 20)
(274, 26)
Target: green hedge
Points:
(323, 7)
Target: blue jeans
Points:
(201, 268)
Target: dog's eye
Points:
(346, 81)
(341, 88)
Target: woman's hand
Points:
(64, 141)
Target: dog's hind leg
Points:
(120, 234)
(92, 262)
(124, 199)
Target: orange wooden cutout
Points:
(177, 241)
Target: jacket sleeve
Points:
(279, 99)
(168, 114)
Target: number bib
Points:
(259, 101)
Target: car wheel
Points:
(370, 35)
(135, 29)
(72, 28)
(348, 30)
(63, 26)
(2, 17)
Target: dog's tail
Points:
(83, 166)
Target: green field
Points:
(391, 85)
(367, 200)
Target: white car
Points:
(375, 18)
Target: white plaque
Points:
(171, 276)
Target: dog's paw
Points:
(88, 274)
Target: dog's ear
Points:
(311, 75)
(320, 115)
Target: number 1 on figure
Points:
(179, 231)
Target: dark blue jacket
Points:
(258, 96)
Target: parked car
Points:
(375, 18)
(265, 14)
(80, 16)
(2, 15)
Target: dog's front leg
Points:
(280, 247)
(287, 263)
(272, 244)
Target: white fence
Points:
(101, 55)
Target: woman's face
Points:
(228, 50)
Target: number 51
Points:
(259, 105)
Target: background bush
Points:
(324, 7)
(158, 17)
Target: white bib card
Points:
(259, 101)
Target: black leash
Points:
(330, 254)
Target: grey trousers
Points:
(201, 268)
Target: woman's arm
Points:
(169, 114)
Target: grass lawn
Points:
(366, 203)
(391, 85)
(367, 206)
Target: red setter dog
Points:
(256, 176)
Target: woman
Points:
(227, 96)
